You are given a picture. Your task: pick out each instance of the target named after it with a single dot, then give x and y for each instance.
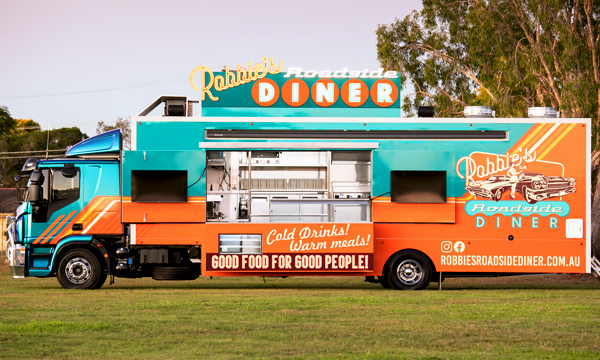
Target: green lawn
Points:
(548, 317)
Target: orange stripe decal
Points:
(522, 145)
(61, 225)
(543, 146)
(48, 229)
(558, 139)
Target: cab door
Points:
(62, 202)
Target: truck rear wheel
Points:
(80, 269)
(384, 280)
(175, 272)
(410, 270)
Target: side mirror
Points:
(35, 194)
(17, 178)
(37, 178)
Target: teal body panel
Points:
(389, 112)
(192, 161)
(100, 180)
(387, 160)
(186, 135)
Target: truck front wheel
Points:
(80, 269)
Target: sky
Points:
(74, 63)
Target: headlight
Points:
(537, 185)
(571, 182)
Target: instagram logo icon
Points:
(447, 246)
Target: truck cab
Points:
(66, 201)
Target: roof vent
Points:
(541, 112)
(425, 111)
(174, 106)
(478, 112)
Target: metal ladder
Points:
(595, 267)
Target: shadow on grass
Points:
(523, 282)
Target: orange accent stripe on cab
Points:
(48, 229)
(65, 221)
(60, 226)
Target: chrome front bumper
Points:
(14, 252)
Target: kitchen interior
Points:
(264, 186)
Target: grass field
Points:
(541, 317)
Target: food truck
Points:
(309, 173)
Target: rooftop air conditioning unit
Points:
(478, 112)
(542, 112)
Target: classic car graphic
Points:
(536, 187)
(492, 188)
(532, 186)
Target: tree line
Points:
(21, 139)
(507, 54)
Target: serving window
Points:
(418, 187)
(288, 186)
(168, 186)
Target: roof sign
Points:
(266, 89)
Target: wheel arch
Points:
(79, 242)
(386, 266)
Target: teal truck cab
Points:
(66, 201)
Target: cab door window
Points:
(64, 189)
(40, 211)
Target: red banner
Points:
(290, 262)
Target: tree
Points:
(25, 144)
(508, 54)
(27, 125)
(7, 123)
(123, 124)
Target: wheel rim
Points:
(409, 272)
(78, 270)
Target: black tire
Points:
(80, 269)
(175, 272)
(384, 280)
(410, 270)
(497, 195)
